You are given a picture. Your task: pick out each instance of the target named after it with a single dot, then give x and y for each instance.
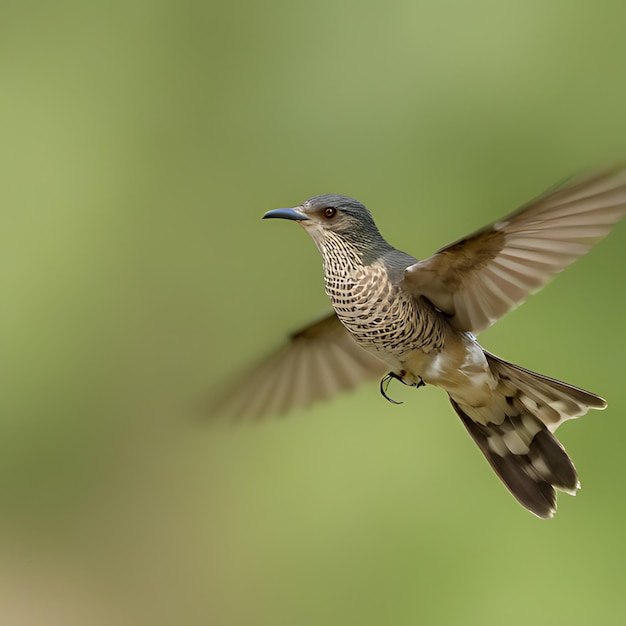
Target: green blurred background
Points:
(141, 143)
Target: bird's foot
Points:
(384, 384)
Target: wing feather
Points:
(478, 279)
(316, 363)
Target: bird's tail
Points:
(515, 433)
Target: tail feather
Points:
(515, 433)
(551, 400)
(531, 471)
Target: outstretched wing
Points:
(317, 362)
(478, 279)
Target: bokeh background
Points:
(141, 143)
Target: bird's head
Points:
(340, 219)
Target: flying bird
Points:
(415, 321)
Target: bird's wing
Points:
(317, 362)
(478, 279)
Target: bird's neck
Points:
(350, 281)
(342, 256)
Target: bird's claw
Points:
(384, 385)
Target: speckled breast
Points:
(379, 314)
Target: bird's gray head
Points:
(331, 217)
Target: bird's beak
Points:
(295, 213)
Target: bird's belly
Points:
(411, 336)
(460, 368)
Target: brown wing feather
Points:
(478, 279)
(316, 363)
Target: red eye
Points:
(329, 213)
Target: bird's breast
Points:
(380, 315)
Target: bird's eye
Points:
(330, 212)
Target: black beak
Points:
(287, 214)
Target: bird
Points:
(415, 321)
